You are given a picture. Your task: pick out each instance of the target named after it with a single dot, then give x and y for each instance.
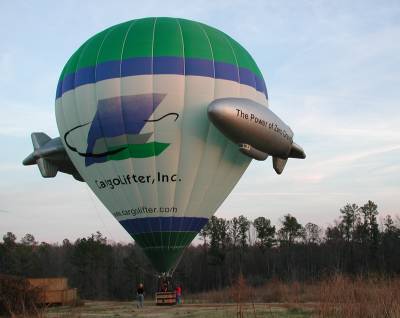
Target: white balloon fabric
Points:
(131, 108)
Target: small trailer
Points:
(55, 290)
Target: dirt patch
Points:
(128, 309)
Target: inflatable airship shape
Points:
(161, 117)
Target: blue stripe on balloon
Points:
(199, 67)
(247, 77)
(108, 70)
(260, 84)
(136, 66)
(68, 83)
(160, 65)
(169, 65)
(84, 76)
(164, 224)
(226, 71)
(59, 89)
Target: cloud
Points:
(10, 166)
(6, 66)
(349, 158)
(20, 119)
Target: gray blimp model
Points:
(256, 130)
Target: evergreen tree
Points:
(350, 218)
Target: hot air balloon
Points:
(146, 112)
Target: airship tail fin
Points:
(39, 139)
(50, 157)
(47, 169)
(297, 152)
(278, 164)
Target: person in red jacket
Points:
(178, 291)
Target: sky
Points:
(332, 70)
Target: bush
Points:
(18, 297)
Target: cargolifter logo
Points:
(114, 133)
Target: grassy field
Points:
(128, 309)
(335, 297)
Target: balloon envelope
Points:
(131, 108)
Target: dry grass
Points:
(336, 296)
(18, 298)
(361, 297)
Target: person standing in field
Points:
(140, 295)
(178, 292)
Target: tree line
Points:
(354, 245)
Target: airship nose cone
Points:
(218, 112)
(213, 111)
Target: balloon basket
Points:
(165, 298)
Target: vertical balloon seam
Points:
(213, 183)
(169, 230)
(227, 38)
(211, 130)
(209, 186)
(183, 239)
(120, 88)
(107, 33)
(61, 99)
(228, 144)
(162, 245)
(76, 100)
(164, 233)
(150, 238)
(234, 47)
(98, 170)
(153, 160)
(236, 60)
(144, 239)
(95, 167)
(208, 129)
(75, 104)
(177, 241)
(181, 153)
(235, 175)
(129, 161)
(177, 167)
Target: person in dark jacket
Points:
(140, 295)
